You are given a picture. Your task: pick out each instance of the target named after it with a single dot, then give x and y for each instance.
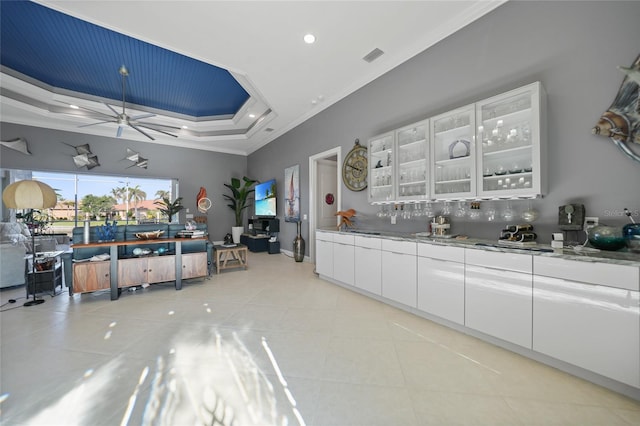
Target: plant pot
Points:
(236, 232)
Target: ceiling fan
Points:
(123, 120)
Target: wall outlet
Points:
(393, 219)
(590, 222)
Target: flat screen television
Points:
(265, 199)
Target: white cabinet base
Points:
(594, 327)
(441, 288)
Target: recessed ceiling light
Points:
(185, 127)
(309, 38)
(252, 116)
(74, 106)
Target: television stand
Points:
(255, 243)
(262, 230)
(268, 226)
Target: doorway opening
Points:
(325, 193)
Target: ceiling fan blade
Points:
(119, 133)
(166, 126)
(88, 109)
(157, 130)
(147, 115)
(99, 122)
(111, 108)
(141, 131)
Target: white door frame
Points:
(313, 171)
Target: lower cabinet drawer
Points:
(591, 326)
(498, 303)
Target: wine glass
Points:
(508, 214)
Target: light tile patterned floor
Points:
(213, 350)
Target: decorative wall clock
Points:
(355, 168)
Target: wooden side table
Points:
(230, 257)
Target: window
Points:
(100, 197)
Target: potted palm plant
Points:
(238, 201)
(169, 208)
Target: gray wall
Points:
(192, 168)
(572, 48)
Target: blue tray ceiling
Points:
(67, 53)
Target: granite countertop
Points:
(621, 257)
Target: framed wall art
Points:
(292, 194)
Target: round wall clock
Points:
(355, 168)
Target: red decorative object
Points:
(329, 199)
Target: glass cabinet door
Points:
(381, 169)
(412, 171)
(453, 167)
(509, 155)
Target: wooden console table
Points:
(113, 254)
(230, 257)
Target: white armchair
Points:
(12, 264)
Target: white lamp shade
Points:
(29, 194)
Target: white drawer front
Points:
(368, 242)
(343, 239)
(405, 247)
(499, 260)
(434, 251)
(324, 236)
(607, 274)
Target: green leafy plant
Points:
(168, 208)
(238, 200)
(36, 221)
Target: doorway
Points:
(324, 179)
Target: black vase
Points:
(298, 245)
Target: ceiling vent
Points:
(373, 55)
(268, 129)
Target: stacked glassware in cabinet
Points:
(509, 155)
(381, 169)
(412, 170)
(453, 154)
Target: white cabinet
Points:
(441, 281)
(511, 130)
(412, 173)
(381, 174)
(343, 258)
(491, 149)
(324, 254)
(453, 166)
(593, 326)
(399, 271)
(499, 292)
(368, 264)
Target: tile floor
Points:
(270, 345)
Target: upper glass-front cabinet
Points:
(509, 155)
(412, 173)
(381, 169)
(453, 166)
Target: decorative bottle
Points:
(298, 244)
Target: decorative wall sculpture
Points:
(621, 122)
(84, 157)
(138, 160)
(19, 144)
